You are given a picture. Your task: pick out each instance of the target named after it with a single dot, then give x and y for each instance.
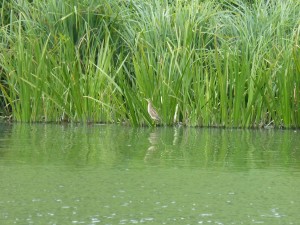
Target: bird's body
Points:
(152, 112)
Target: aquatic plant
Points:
(203, 63)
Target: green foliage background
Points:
(203, 63)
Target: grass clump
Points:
(203, 63)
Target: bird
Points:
(152, 112)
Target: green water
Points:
(106, 174)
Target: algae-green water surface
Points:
(108, 174)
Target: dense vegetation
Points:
(203, 63)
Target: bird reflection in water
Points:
(154, 142)
(159, 147)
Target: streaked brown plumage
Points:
(152, 112)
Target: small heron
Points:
(152, 112)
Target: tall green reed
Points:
(203, 63)
(60, 69)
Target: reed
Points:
(203, 63)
